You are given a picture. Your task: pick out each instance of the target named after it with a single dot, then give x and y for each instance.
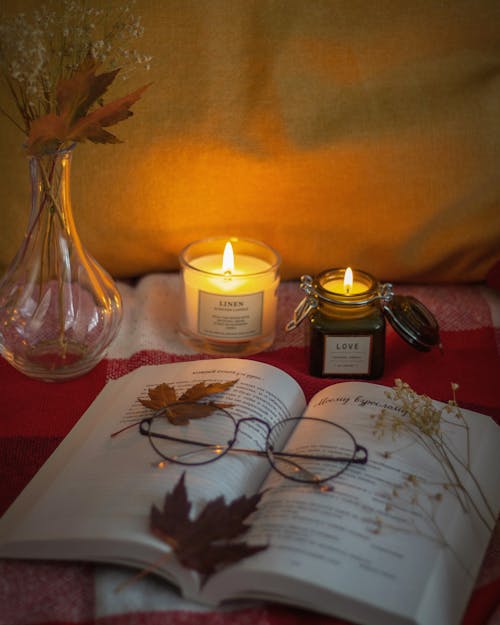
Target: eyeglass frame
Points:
(268, 451)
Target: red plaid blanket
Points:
(35, 417)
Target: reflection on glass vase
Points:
(59, 310)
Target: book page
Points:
(382, 547)
(92, 498)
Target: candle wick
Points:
(347, 289)
(227, 274)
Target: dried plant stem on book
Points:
(417, 501)
(422, 422)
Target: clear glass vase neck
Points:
(51, 192)
(59, 309)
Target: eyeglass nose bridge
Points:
(243, 420)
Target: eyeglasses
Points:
(330, 451)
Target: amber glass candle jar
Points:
(347, 327)
(346, 312)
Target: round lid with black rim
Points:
(413, 321)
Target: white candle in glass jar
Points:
(230, 297)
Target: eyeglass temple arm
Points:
(145, 431)
(360, 449)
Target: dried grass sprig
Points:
(42, 50)
(423, 422)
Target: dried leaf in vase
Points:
(72, 121)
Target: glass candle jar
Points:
(347, 328)
(230, 295)
(346, 311)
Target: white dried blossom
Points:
(39, 49)
(422, 421)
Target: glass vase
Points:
(59, 309)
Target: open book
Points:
(380, 548)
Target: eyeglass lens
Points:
(325, 451)
(199, 441)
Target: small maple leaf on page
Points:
(160, 396)
(179, 410)
(202, 389)
(206, 543)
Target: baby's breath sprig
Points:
(411, 507)
(423, 420)
(42, 49)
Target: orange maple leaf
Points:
(179, 410)
(159, 397)
(72, 120)
(75, 95)
(202, 389)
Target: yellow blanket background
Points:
(338, 131)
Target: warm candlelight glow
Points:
(347, 327)
(228, 259)
(346, 282)
(348, 279)
(229, 294)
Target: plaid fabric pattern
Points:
(35, 417)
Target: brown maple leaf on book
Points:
(179, 410)
(206, 543)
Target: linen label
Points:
(232, 317)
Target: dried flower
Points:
(423, 421)
(55, 43)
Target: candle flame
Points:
(228, 259)
(348, 280)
